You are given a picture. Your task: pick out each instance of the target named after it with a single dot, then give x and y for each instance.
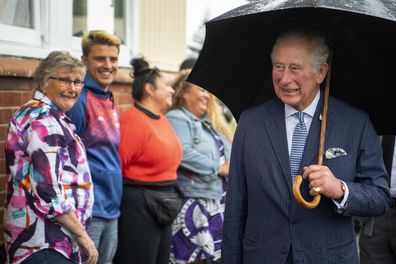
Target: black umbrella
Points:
(234, 63)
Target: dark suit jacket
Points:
(262, 219)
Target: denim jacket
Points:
(197, 173)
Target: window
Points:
(32, 28)
(119, 20)
(19, 21)
(16, 13)
(79, 18)
(109, 15)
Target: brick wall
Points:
(16, 87)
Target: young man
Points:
(96, 118)
(263, 222)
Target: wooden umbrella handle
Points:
(297, 195)
(298, 179)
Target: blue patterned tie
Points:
(298, 143)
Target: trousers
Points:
(47, 256)
(380, 247)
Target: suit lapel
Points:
(276, 129)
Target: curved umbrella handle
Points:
(298, 179)
(297, 195)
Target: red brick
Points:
(3, 131)
(121, 87)
(26, 96)
(2, 146)
(2, 199)
(2, 166)
(2, 183)
(1, 232)
(10, 98)
(5, 114)
(123, 98)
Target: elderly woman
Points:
(197, 229)
(49, 190)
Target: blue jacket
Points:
(197, 174)
(96, 120)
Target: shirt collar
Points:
(147, 112)
(310, 110)
(40, 96)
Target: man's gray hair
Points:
(319, 48)
(56, 61)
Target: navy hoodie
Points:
(96, 119)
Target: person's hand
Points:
(87, 247)
(323, 181)
(224, 168)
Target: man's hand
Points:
(323, 181)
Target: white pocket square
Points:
(332, 153)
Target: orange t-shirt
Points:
(149, 148)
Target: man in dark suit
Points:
(377, 239)
(263, 222)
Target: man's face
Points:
(295, 81)
(102, 64)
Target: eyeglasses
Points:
(67, 82)
(154, 69)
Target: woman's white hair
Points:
(56, 61)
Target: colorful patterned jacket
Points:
(47, 176)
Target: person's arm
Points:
(46, 150)
(369, 193)
(192, 160)
(236, 203)
(86, 245)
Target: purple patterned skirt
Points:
(197, 230)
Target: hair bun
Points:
(139, 65)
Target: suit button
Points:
(284, 250)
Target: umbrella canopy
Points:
(235, 64)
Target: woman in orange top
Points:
(150, 154)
